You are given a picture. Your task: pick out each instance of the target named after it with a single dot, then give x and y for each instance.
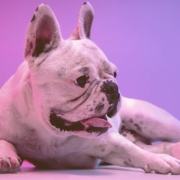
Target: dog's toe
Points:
(5, 165)
(9, 165)
(174, 164)
(164, 164)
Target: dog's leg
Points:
(115, 149)
(149, 121)
(172, 149)
(9, 160)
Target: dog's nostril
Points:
(109, 91)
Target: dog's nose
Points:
(111, 90)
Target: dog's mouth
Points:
(97, 125)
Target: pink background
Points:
(142, 37)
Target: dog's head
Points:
(74, 85)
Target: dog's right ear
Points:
(43, 33)
(83, 28)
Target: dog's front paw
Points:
(9, 160)
(9, 164)
(163, 164)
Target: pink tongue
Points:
(96, 122)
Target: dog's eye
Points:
(115, 74)
(82, 80)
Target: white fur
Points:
(48, 79)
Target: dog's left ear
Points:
(43, 33)
(83, 29)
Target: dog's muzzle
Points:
(113, 96)
(97, 125)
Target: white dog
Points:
(60, 109)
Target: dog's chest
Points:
(54, 152)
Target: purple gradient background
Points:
(142, 37)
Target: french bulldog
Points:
(61, 108)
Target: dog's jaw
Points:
(91, 126)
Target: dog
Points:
(63, 109)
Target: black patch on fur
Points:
(84, 3)
(84, 70)
(33, 18)
(37, 9)
(99, 108)
(131, 121)
(102, 99)
(138, 127)
(123, 128)
(133, 132)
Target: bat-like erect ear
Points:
(43, 33)
(83, 29)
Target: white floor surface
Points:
(29, 172)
